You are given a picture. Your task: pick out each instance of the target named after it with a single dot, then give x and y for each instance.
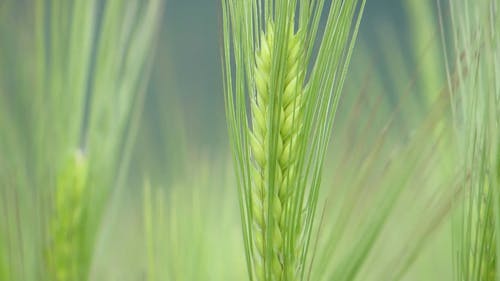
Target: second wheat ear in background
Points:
(66, 253)
(287, 121)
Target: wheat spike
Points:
(64, 253)
(289, 128)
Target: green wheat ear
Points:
(288, 123)
(66, 252)
(280, 123)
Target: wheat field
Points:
(261, 140)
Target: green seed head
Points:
(66, 247)
(269, 228)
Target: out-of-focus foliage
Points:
(192, 228)
(474, 83)
(72, 79)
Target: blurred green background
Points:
(186, 84)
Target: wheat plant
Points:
(78, 84)
(288, 72)
(65, 255)
(474, 75)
